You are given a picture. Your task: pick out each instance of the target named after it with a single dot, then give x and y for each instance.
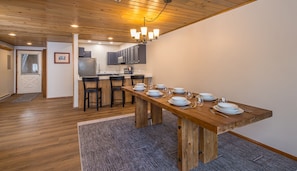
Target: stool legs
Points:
(123, 98)
(112, 98)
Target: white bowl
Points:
(227, 105)
(179, 90)
(140, 84)
(139, 87)
(160, 86)
(178, 99)
(206, 94)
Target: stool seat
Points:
(92, 89)
(116, 83)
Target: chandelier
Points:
(143, 36)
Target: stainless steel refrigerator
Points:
(87, 67)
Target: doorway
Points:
(29, 71)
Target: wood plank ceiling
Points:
(39, 21)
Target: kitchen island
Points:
(104, 83)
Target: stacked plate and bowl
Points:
(207, 96)
(228, 108)
(179, 90)
(179, 101)
(160, 86)
(154, 93)
(139, 87)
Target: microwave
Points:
(121, 60)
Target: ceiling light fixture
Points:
(12, 34)
(74, 26)
(143, 36)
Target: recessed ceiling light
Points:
(110, 38)
(29, 43)
(110, 42)
(74, 25)
(12, 34)
(89, 41)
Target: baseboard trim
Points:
(265, 146)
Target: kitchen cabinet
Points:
(132, 55)
(142, 54)
(112, 58)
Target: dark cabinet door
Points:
(112, 58)
(81, 51)
(142, 54)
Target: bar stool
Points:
(116, 83)
(136, 79)
(92, 89)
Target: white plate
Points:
(228, 111)
(139, 89)
(179, 104)
(154, 95)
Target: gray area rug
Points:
(116, 145)
(26, 97)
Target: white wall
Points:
(59, 76)
(6, 76)
(247, 55)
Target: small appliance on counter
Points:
(128, 70)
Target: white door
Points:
(29, 71)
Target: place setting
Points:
(178, 90)
(179, 101)
(225, 108)
(154, 93)
(139, 87)
(207, 96)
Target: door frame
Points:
(43, 65)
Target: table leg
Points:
(141, 114)
(156, 114)
(208, 145)
(187, 134)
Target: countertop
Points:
(105, 76)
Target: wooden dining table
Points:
(197, 128)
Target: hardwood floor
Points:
(42, 134)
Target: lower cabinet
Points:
(105, 85)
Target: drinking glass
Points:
(151, 85)
(222, 100)
(189, 95)
(169, 92)
(199, 100)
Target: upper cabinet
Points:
(112, 58)
(132, 55)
